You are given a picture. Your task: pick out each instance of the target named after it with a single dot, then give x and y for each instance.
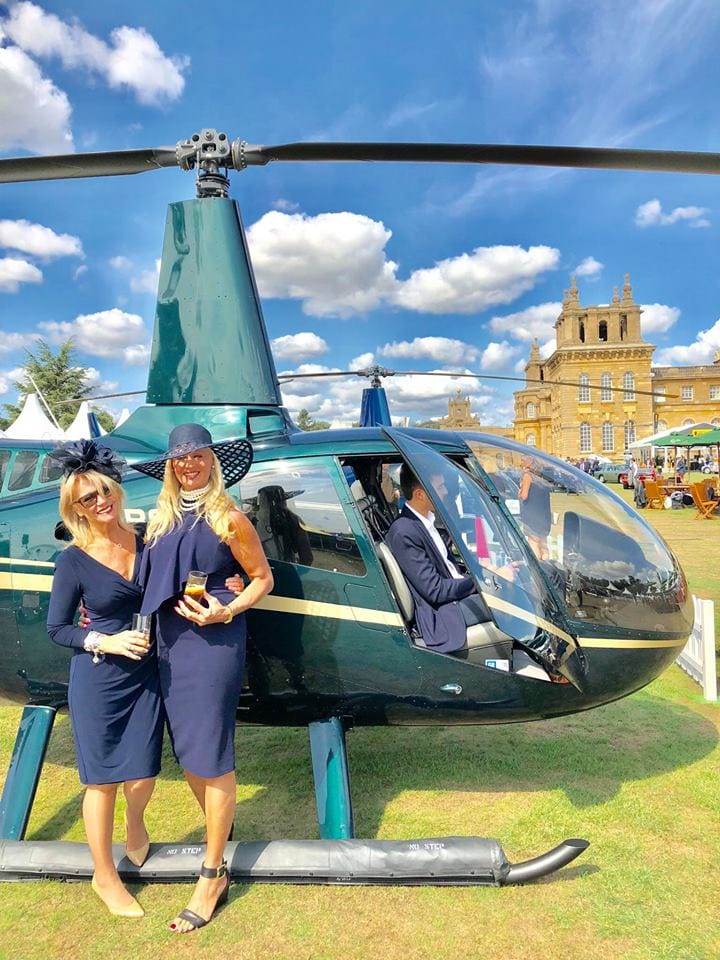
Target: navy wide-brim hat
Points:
(235, 456)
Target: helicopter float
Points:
(596, 615)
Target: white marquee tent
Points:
(33, 424)
(85, 425)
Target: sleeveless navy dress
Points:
(201, 668)
(115, 707)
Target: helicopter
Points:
(593, 616)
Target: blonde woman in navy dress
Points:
(201, 646)
(114, 697)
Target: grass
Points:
(639, 778)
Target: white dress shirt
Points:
(429, 524)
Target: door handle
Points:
(453, 688)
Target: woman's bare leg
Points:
(219, 814)
(98, 815)
(137, 796)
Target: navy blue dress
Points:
(201, 668)
(115, 707)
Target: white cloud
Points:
(120, 262)
(658, 317)
(650, 214)
(34, 114)
(79, 271)
(37, 240)
(471, 282)
(409, 111)
(94, 380)
(137, 355)
(526, 325)
(287, 206)
(702, 351)
(334, 262)
(8, 378)
(17, 341)
(362, 362)
(132, 59)
(14, 271)
(108, 333)
(146, 281)
(297, 346)
(440, 349)
(497, 356)
(590, 268)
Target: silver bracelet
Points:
(92, 645)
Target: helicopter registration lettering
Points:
(137, 515)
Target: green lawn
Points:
(640, 779)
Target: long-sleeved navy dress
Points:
(201, 668)
(115, 707)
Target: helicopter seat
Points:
(479, 635)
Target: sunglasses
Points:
(90, 499)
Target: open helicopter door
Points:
(498, 558)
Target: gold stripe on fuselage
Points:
(41, 583)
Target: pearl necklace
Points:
(190, 499)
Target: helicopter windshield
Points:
(607, 566)
(491, 549)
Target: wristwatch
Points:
(230, 615)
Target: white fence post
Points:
(698, 656)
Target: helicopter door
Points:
(504, 569)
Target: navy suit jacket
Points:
(437, 614)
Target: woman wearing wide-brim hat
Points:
(201, 646)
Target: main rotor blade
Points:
(72, 165)
(455, 375)
(103, 396)
(671, 161)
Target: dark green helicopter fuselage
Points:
(602, 618)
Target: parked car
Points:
(610, 472)
(643, 473)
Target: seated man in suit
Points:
(445, 600)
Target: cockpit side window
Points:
(4, 461)
(297, 515)
(23, 469)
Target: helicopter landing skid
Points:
(442, 861)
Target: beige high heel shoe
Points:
(132, 911)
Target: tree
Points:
(105, 418)
(58, 378)
(306, 422)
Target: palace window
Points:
(688, 423)
(661, 425)
(585, 437)
(608, 437)
(629, 433)
(715, 393)
(602, 331)
(584, 388)
(686, 393)
(530, 440)
(582, 331)
(715, 422)
(628, 386)
(530, 411)
(623, 326)
(659, 394)
(605, 386)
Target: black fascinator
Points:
(79, 456)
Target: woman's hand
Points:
(235, 583)
(129, 643)
(214, 612)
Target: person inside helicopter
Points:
(445, 600)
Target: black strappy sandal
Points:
(210, 873)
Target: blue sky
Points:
(422, 267)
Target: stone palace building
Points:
(599, 392)
(593, 394)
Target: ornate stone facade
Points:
(593, 394)
(459, 417)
